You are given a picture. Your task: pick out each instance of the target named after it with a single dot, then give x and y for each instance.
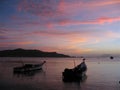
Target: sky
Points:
(72, 27)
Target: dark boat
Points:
(74, 75)
(28, 68)
(111, 57)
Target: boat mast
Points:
(22, 62)
(74, 62)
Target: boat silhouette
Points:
(75, 74)
(28, 67)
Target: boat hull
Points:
(28, 68)
(69, 75)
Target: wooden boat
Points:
(75, 74)
(28, 67)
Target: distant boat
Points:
(111, 57)
(28, 67)
(70, 75)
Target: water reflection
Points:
(75, 85)
(28, 74)
(83, 80)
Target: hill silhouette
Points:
(29, 53)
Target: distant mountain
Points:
(29, 53)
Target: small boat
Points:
(111, 57)
(76, 74)
(28, 67)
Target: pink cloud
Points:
(63, 5)
(68, 37)
(63, 10)
(53, 8)
(101, 20)
(65, 22)
(16, 43)
(2, 30)
(76, 37)
(54, 33)
(39, 7)
(105, 3)
(108, 20)
(73, 7)
(112, 34)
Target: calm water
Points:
(102, 74)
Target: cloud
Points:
(3, 30)
(54, 7)
(104, 3)
(77, 5)
(76, 37)
(3, 37)
(16, 43)
(68, 49)
(101, 20)
(39, 7)
(12, 34)
(113, 34)
(60, 12)
(3, 34)
(20, 18)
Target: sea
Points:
(103, 73)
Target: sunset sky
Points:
(72, 27)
